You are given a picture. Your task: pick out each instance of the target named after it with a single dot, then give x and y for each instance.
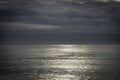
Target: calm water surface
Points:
(59, 62)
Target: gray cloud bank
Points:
(63, 22)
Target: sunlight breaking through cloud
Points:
(25, 26)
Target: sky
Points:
(57, 22)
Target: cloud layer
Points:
(57, 22)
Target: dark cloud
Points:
(63, 22)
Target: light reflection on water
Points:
(60, 62)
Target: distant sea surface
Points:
(59, 62)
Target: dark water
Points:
(59, 62)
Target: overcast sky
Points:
(58, 22)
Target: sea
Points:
(60, 62)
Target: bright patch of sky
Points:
(25, 26)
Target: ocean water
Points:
(59, 62)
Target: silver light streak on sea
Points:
(60, 62)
